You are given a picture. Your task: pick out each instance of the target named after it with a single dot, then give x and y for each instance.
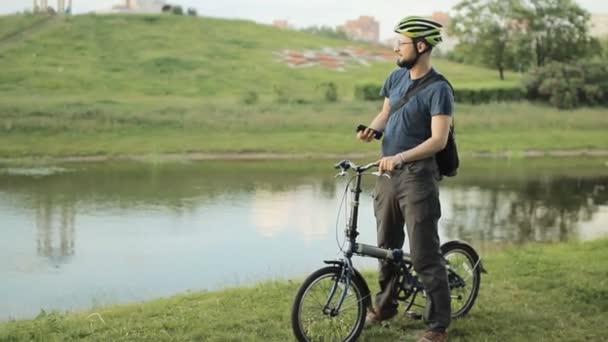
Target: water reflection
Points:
(300, 210)
(533, 210)
(55, 230)
(104, 233)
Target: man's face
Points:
(405, 49)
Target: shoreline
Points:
(260, 311)
(259, 156)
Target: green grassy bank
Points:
(74, 128)
(533, 293)
(109, 85)
(107, 56)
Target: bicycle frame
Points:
(354, 248)
(351, 233)
(343, 278)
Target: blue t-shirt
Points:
(409, 126)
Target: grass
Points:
(533, 293)
(142, 84)
(152, 126)
(16, 24)
(106, 56)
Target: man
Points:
(412, 136)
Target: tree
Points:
(178, 10)
(488, 34)
(326, 31)
(558, 30)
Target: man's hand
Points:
(390, 163)
(366, 135)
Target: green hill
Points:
(88, 85)
(109, 56)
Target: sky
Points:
(299, 13)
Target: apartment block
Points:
(364, 28)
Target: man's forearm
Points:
(427, 149)
(379, 122)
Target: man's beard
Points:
(406, 63)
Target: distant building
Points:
(448, 41)
(43, 6)
(599, 25)
(364, 28)
(150, 6)
(441, 17)
(137, 6)
(280, 23)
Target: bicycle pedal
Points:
(413, 315)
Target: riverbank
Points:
(186, 127)
(198, 156)
(538, 292)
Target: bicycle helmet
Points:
(420, 28)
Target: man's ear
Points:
(421, 46)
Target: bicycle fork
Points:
(345, 274)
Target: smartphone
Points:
(377, 134)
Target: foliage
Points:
(567, 85)
(604, 46)
(250, 97)
(192, 12)
(488, 34)
(326, 31)
(281, 94)
(178, 10)
(368, 92)
(371, 92)
(517, 34)
(330, 91)
(557, 30)
(487, 95)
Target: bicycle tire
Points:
(329, 329)
(468, 269)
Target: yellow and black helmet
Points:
(419, 27)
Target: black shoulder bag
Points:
(447, 159)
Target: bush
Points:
(368, 92)
(281, 94)
(569, 85)
(250, 97)
(177, 10)
(475, 96)
(330, 93)
(371, 92)
(192, 12)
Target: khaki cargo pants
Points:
(411, 196)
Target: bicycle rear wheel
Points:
(313, 316)
(464, 278)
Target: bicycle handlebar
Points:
(344, 165)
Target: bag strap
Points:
(424, 82)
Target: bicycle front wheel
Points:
(315, 315)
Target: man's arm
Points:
(440, 129)
(378, 123)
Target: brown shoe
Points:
(434, 336)
(374, 317)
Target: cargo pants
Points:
(411, 196)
